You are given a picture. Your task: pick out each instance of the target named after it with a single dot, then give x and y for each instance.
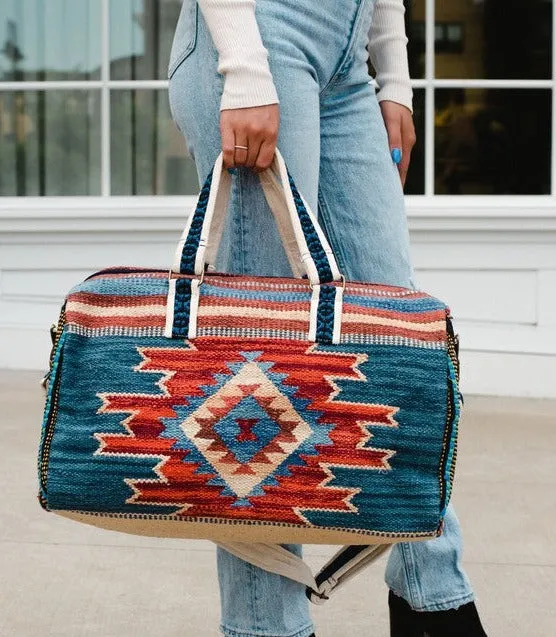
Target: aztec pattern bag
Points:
(248, 410)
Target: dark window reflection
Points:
(494, 141)
(415, 181)
(415, 30)
(141, 33)
(49, 143)
(148, 152)
(493, 39)
(54, 40)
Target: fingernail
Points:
(396, 155)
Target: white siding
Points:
(496, 267)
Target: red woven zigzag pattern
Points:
(185, 370)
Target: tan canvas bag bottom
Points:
(223, 532)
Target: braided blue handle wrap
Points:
(314, 245)
(189, 252)
(311, 237)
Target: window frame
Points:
(429, 83)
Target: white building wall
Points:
(493, 260)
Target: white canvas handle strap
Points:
(274, 195)
(304, 240)
(273, 558)
(313, 250)
(345, 564)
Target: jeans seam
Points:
(241, 220)
(336, 245)
(231, 632)
(413, 585)
(451, 603)
(254, 597)
(347, 56)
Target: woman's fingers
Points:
(266, 155)
(401, 134)
(228, 140)
(241, 154)
(254, 143)
(408, 141)
(256, 128)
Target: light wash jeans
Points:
(334, 141)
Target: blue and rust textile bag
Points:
(249, 410)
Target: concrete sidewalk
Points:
(62, 579)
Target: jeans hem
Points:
(445, 604)
(230, 632)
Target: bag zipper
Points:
(51, 407)
(123, 270)
(451, 429)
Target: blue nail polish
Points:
(396, 155)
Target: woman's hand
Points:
(401, 133)
(255, 127)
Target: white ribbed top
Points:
(243, 58)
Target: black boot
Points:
(458, 622)
(404, 621)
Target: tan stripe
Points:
(105, 300)
(87, 320)
(117, 310)
(367, 319)
(300, 315)
(252, 312)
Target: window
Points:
(84, 110)
(83, 103)
(483, 96)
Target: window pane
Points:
(415, 181)
(494, 141)
(141, 33)
(148, 152)
(49, 40)
(494, 39)
(49, 143)
(415, 30)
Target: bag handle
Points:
(274, 195)
(317, 258)
(297, 225)
(344, 564)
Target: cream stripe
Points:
(301, 315)
(434, 326)
(156, 309)
(251, 312)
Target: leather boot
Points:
(404, 621)
(458, 622)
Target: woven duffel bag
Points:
(250, 410)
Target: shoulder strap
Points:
(346, 563)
